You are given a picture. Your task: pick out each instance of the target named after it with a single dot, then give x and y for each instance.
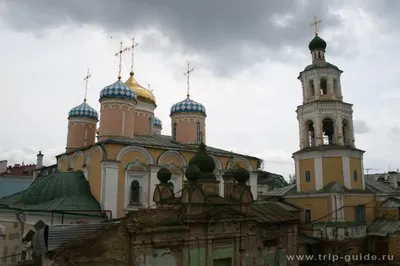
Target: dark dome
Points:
(203, 160)
(192, 173)
(317, 44)
(164, 175)
(241, 175)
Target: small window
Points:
(135, 193)
(308, 176)
(360, 213)
(355, 176)
(307, 216)
(174, 132)
(198, 132)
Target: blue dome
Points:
(117, 90)
(188, 106)
(157, 122)
(83, 110)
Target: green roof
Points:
(158, 141)
(60, 191)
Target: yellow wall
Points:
(78, 164)
(94, 174)
(64, 165)
(321, 207)
(307, 165)
(332, 170)
(350, 202)
(355, 164)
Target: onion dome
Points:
(241, 175)
(188, 106)
(142, 94)
(317, 44)
(157, 122)
(164, 175)
(117, 90)
(203, 160)
(192, 173)
(83, 110)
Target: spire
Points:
(187, 74)
(133, 46)
(86, 79)
(315, 25)
(119, 53)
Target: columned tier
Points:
(325, 122)
(317, 167)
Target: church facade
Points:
(121, 157)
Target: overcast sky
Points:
(246, 55)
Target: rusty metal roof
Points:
(63, 234)
(383, 227)
(273, 212)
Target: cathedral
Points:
(120, 157)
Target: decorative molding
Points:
(90, 154)
(75, 121)
(329, 153)
(141, 150)
(189, 119)
(110, 164)
(176, 154)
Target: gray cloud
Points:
(218, 29)
(361, 127)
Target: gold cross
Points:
(315, 24)
(134, 45)
(88, 75)
(121, 51)
(187, 74)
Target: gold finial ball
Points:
(131, 73)
(119, 77)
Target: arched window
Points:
(174, 132)
(135, 193)
(311, 90)
(355, 176)
(198, 132)
(308, 176)
(150, 124)
(324, 86)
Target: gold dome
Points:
(142, 94)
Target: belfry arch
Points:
(346, 132)
(328, 130)
(309, 130)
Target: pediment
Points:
(225, 213)
(137, 166)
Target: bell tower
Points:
(327, 144)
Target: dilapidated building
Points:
(194, 226)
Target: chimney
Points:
(393, 179)
(39, 160)
(3, 166)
